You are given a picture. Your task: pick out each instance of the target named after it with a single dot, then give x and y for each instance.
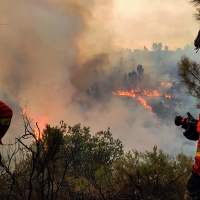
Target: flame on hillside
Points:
(39, 121)
(144, 103)
(125, 93)
(137, 93)
(40, 125)
(133, 93)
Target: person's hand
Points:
(191, 133)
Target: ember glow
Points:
(165, 84)
(168, 96)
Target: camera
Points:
(190, 126)
(185, 121)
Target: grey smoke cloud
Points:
(48, 55)
(38, 49)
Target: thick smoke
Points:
(59, 58)
(38, 50)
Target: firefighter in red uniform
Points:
(192, 132)
(5, 119)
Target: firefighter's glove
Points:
(190, 132)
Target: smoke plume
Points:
(59, 58)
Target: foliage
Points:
(117, 79)
(157, 46)
(196, 3)
(152, 175)
(189, 73)
(67, 162)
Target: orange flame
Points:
(37, 130)
(153, 93)
(168, 96)
(37, 133)
(132, 94)
(144, 103)
(166, 84)
(125, 93)
(41, 125)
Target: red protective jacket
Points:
(5, 119)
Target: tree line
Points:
(68, 162)
(115, 81)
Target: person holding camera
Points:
(192, 132)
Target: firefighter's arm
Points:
(191, 132)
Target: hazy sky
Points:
(115, 24)
(122, 23)
(141, 22)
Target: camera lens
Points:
(179, 120)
